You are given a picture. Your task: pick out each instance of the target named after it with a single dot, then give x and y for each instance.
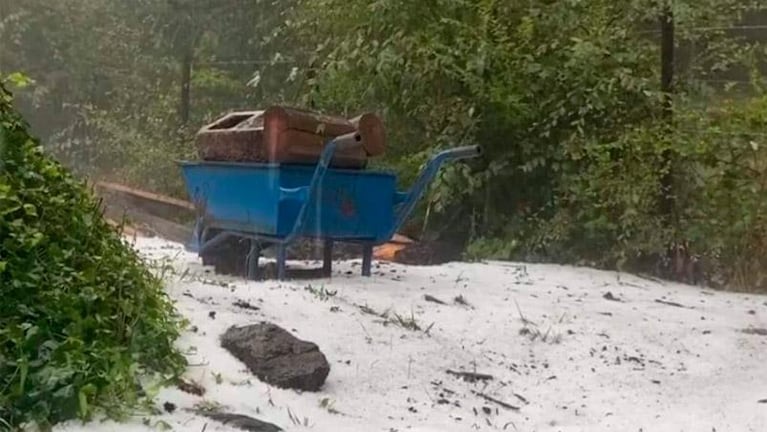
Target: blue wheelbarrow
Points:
(271, 205)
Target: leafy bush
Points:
(81, 318)
(722, 207)
(565, 99)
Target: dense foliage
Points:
(564, 96)
(81, 318)
(109, 77)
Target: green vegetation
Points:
(565, 97)
(81, 318)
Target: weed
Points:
(328, 404)
(533, 332)
(408, 323)
(207, 406)
(321, 293)
(159, 425)
(461, 300)
(296, 420)
(368, 310)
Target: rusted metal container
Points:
(235, 137)
(298, 136)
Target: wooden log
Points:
(299, 136)
(283, 118)
(301, 147)
(373, 134)
(288, 135)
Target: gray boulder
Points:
(276, 357)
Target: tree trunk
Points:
(667, 87)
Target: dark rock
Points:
(276, 357)
(240, 421)
(169, 407)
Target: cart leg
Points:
(367, 258)
(327, 261)
(253, 258)
(282, 255)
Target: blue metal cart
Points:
(272, 205)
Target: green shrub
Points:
(722, 206)
(606, 212)
(81, 318)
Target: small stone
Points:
(169, 407)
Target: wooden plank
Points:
(145, 223)
(169, 208)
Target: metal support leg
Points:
(253, 258)
(367, 258)
(282, 256)
(327, 259)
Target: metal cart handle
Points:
(406, 202)
(343, 142)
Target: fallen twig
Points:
(368, 310)
(521, 398)
(651, 279)
(432, 299)
(670, 303)
(242, 304)
(190, 387)
(496, 401)
(522, 316)
(755, 331)
(470, 376)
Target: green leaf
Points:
(19, 80)
(82, 401)
(30, 210)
